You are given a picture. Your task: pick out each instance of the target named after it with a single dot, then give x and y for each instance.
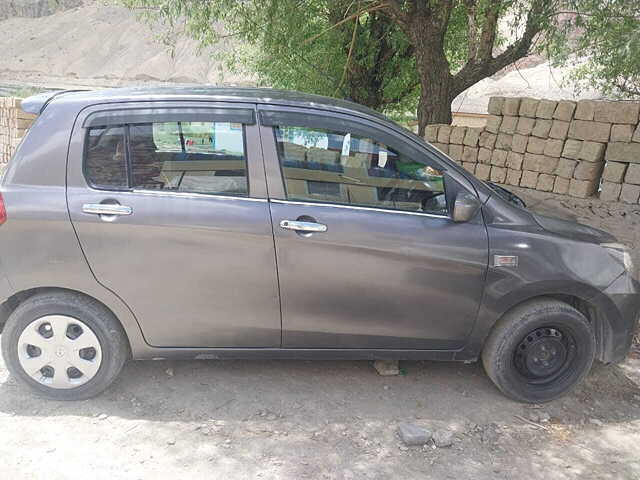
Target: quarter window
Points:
(341, 167)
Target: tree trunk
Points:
(436, 81)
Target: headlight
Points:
(621, 253)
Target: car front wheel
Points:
(539, 351)
(64, 346)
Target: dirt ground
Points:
(331, 420)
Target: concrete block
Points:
(487, 140)
(542, 128)
(593, 131)
(636, 135)
(588, 171)
(444, 133)
(536, 145)
(559, 129)
(457, 135)
(483, 172)
(525, 125)
(531, 162)
(443, 147)
(470, 167)
(513, 177)
(561, 185)
(633, 174)
(630, 193)
(508, 124)
(614, 172)
(529, 179)
(528, 107)
(519, 143)
(484, 155)
(572, 148)
(498, 174)
(495, 105)
(499, 158)
(617, 112)
(514, 160)
(564, 110)
(582, 188)
(545, 182)
(493, 123)
(610, 192)
(455, 152)
(548, 164)
(553, 147)
(546, 109)
(585, 110)
(592, 151)
(623, 152)
(386, 367)
(511, 106)
(470, 154)
(621, 133)
(504, 141)
(472, 136)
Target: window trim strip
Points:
(356, 207)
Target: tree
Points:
(394, 55)
(318, 46)
(606, 33)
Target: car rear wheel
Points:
(64, 346)
(539, 351)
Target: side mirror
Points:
(465, 207)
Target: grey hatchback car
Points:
(206, 223)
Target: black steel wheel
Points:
(539, 350)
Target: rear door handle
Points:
(303, 226)
(106, 209)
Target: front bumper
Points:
(622, 315)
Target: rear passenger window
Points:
(199, 157)
(195, 157)
(105, 162)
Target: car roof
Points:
(38, 103)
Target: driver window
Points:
(340, 167)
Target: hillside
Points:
(96, 43)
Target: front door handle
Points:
(298, 226)
(106, 209)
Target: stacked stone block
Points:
(552, 146)
(13, 125)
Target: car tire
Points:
(79, 360)
(539, 351)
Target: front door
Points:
(172, 216)
(368, 256)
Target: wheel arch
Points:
(10, 304)
(599, 310)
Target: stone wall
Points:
(580, 148)
(13, 125)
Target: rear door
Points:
(368, 256)
(169, 204)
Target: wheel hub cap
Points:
(59, 351)
(543, 353)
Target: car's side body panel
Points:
(198, 270)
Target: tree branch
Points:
(472, 72)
